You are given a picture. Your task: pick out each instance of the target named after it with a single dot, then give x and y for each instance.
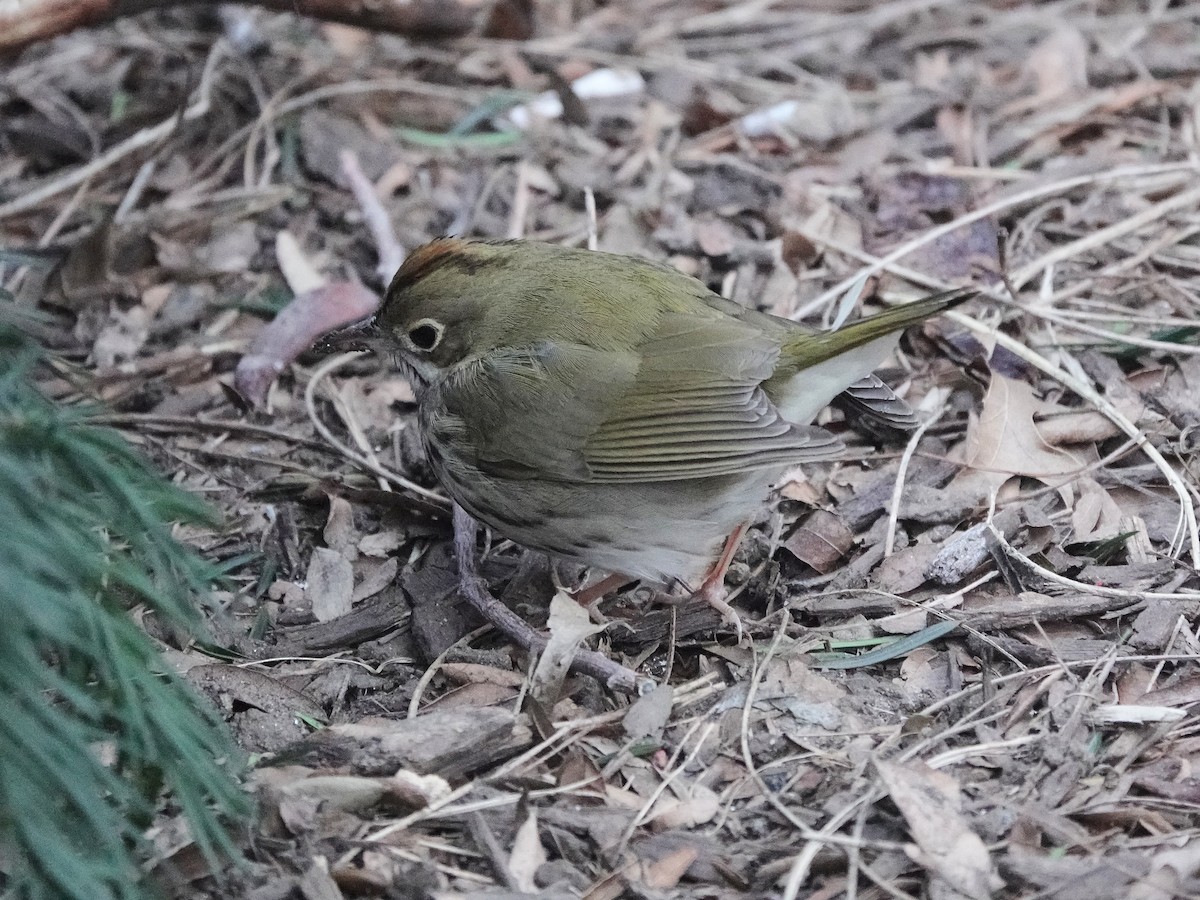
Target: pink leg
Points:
(589, 595)
(712, 591)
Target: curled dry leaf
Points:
(527, 856)
(416, 791)
(569, 626)
(295, 329)
(381, 543)
(476, 673)
(693, 804)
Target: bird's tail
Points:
(803, 350)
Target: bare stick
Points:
(391, 253)
(26, 23)
(512, 626)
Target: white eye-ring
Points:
(426, 334)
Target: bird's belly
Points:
(658, 531)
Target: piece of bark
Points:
(437, 621)
(449, 743)
(841, 606)
(873, 501)
(368, 620)
(37, 20)
(1032, 607)
(996, 644)
(692, 616)
(965, 553)
(1155, 624)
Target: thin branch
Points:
(475, 590)
(27, 23)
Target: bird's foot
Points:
(712, 591)
(714, 594)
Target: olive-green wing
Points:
(696, 409)
(685, 404)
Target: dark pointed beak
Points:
(364, 334)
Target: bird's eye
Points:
(426, 334)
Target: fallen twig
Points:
(475, 591)
(379, 223)
(26, 23)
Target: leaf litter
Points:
(980, 685)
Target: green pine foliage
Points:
(94, 731)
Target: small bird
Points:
(614, 411)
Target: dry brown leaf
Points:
(817, 218)
(476, 673)
(931, 804)
(474, 696)
(795, 485)
(373, 576)
(792, 678)
(329, 584)
(351, 793)
(1004, 440)
(821, 541)
(339, 532)
(905, 569)
(527, 855)
(569, 627)
(693, 804)
(294, 330)
(924, 671)
(648, 715)
(1095, 515)
(665, 873)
